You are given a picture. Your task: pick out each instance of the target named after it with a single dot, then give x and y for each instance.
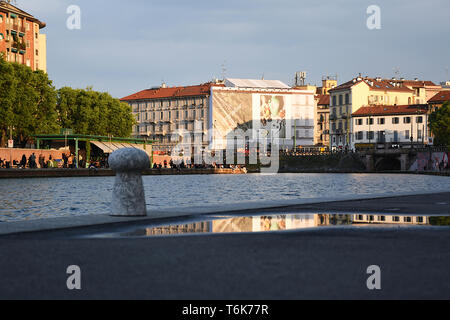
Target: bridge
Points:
(403, 159)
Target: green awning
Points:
(13, 32)
(21, 34)
(14, 50)
(22, 51)
(2, 36)
(13, 15)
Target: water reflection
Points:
(287, 222)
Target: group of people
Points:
(183, 165)
(33, 163)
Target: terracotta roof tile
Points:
(374, 84)
(323, 99)
(390, 110)
(171, 92)
(442, 96)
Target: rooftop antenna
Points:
(224, 69)
(396, 72)
(446, 73)
(262, 78)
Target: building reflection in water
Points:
(281, 222)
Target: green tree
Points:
(7, 95)
(94, 113)
(27, 103)
(440, 125)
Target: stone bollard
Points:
(128, 198)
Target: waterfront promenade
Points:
(319, 263)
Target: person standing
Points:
(23, 162)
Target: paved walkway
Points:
(307, 264)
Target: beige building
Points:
(322, 120)
(348, 97)
(399, 126)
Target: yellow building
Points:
(348, 97)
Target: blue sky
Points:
(127, 46)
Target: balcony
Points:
(333, 117)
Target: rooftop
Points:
(172, 92)
(8, 7)
(441, 97)
(390, 110)
(379, 84)
(258, 84)
(323, 99)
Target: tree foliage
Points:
(91, 112)
(440, 125)
(30, 105)
(27, 103)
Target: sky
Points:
(127, 46)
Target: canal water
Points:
(26, 199)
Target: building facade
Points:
(217, 109)
(347, 98)
(322, 120)
(390, 126)
(20, 37)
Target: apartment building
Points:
(383, 125)
(159, 111)
(20, 37)
(348, 97)
(322, 120)
(217, 109)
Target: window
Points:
(419, 134)
(340, 100)
(370, 135)
(359, 122)
(369, 121)
(396, 219)
(334, 100)
(406, 119)
(407, 134)
(380, 120)
(419, 119)
(407, 219)
(347, 98)
(419, 219)
(395, 120)
(359, 135)
(381, 218)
